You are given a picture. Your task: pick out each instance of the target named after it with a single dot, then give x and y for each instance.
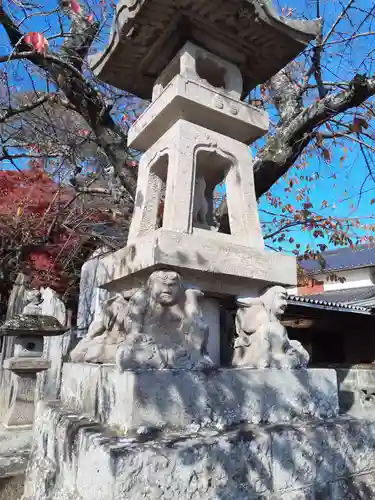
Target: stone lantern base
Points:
(21, 400)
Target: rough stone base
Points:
(357, 391)
(182, 399)
(76, 458)
(11, 488)
(15, 446)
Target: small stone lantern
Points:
(28, 328)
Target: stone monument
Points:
(146, 411)
(196, 62)
(29, 329)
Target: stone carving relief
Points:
(262, 341)
(33, 302)
(159, 327)
(201, 206)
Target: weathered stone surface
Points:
(32, 321)
(75, 456)
(160, 327)
(184, 153)
(361, 487)
(214, 264)
(262, 341)
(28, 346)
(203, 67)
(147, 34)
(55, 347)
(11, 488)
(25, 365)
(28, 325)
(180, 399)
(357, 391)
(188, 100)
(21, 403)
(90, 295)
(15, 446)
(15, 306)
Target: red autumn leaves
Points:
(38, 43)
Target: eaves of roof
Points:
(307, 301)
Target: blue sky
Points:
(339, 181)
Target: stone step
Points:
(76, 457)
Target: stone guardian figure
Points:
(262, 341)
(159, 327)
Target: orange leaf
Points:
(326, 154)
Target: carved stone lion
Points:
(159, 327)
(262, 341)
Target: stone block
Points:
(22, 401)
(11, 488)
(302, 494)
(55, 347)
(210, 309)
(21, 404)
(353, 442)
(347, 381)
(15, 446)
(28, 346)
(27, 365)
(201, 66)
(81, 383)
(179, 399)
(356, 391)
(90, 295)
(303, 457)
(211, 262)
(75, 457)
(195, 102)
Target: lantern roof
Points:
(147, 34)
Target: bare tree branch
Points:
(282, 149)
(65, 71)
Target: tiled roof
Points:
(360, 296)
(341, 259)
(327, 303)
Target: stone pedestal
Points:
(22, 399)
(75, 456)
(181, 399)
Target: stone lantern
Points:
(29, 329)
(175, 426)
(196, 60)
